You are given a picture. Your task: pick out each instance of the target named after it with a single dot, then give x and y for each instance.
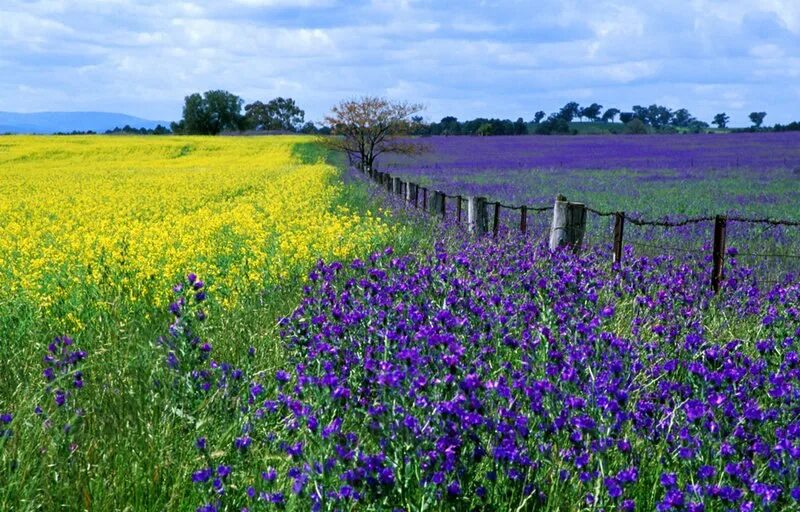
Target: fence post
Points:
(523, 219)
(619, 227)
(569, 224)
(397, 185)
(416, 195)
(477, 216)
(424, 198)
(443, 204)
(458, 208)
(717, 273)
(389, 180)
(496, 217)
(409, 188)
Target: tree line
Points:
(217, 111)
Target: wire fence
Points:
(567, 223)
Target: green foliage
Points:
(211, 113)
(721, 120)
(277, 114)
(757, 118)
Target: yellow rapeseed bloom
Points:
(98, 219)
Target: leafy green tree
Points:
(626, 117)
(681, 117)
(610, 114)
(721, 120)
(520, 128)
(757, 118)
(636, 126)
(569, 111)
(538, 116)
(277, 114)
(211, 113)
(592, 112)
(554, 124)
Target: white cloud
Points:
(490, 58)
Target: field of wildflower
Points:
(95, 230)
(460, 373)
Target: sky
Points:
(464, 58)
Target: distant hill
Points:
(52, 122)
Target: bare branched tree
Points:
(367, 127)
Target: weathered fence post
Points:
(718, 272)
(397, 185)
(496, 218)
(437, 203)
(409, 192)
(523, 219)
(443, 204)
(619, 227)
(569, 224)
(477, 216)
(424, 198)
(415, 194)
(458, 209)
(389, 180)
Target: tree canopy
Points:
(211, 113)
(277, 114)
(367, 127)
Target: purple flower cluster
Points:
(499, 369)
(187, 354)
(61, 369)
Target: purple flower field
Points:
(500, 375)
(655, 177)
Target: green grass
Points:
(133, 448)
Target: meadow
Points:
(420, 369)
(659, 178)
(96, 230)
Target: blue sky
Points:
(483, 58)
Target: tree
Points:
(367, 127)
(211, 113)
(277, 114)
(592, 112)
(682, 118)
(640, 112)
(554, 124)
(610, 114)
(450, 126)
(520, 128)
(757, 118)
(626, 117)
(636, 127)
(569, 111)
(538, 116)
(721, 120)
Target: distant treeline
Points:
(219, 111)
(639, 120)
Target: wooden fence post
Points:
(477, 216)
(496, 217)
(443, 204)
(619, 228)
(424, 198)
(569, 224)
(397, 185)
(718, 272)
(409, 191)
(389, 180)
(523, 219)
(416, 195)
(458, 209)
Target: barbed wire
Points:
(637, 221)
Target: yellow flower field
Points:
(88, 221)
